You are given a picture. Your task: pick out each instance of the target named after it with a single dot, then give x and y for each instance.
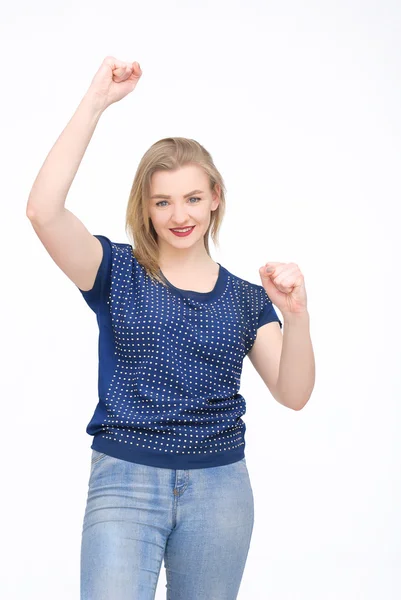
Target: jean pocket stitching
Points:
(96, 459)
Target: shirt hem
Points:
(173, 461)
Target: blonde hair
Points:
(167, 154)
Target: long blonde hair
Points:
(167, 154)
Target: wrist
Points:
(94, 103)
(296, 317)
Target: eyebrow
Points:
(169, 197)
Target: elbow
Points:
(293, 404)
(288, 404)
(293, 401)
(300, 405)
(29, 212)
(296, 407)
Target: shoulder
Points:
(115, 249)
(252, 290)
(118, 257)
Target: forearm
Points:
(296, 378)
(51, 186)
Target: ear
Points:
(216, 196)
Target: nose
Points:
(179, 217)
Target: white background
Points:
(299, 104)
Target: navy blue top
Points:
(170, 363)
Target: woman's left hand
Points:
(284, 285)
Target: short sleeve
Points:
(268, 313)
(95, 296)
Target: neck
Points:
(185, 259)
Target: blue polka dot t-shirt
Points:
(170, 363)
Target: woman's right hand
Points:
(114, 80)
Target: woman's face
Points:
(180, 199)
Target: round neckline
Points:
(212, 295)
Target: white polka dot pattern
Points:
(170, 364)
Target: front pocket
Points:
(96, 456)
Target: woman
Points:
(168, 476)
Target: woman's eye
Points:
(192, 198)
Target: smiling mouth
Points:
(183, 229)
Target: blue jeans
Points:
(199, 521)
